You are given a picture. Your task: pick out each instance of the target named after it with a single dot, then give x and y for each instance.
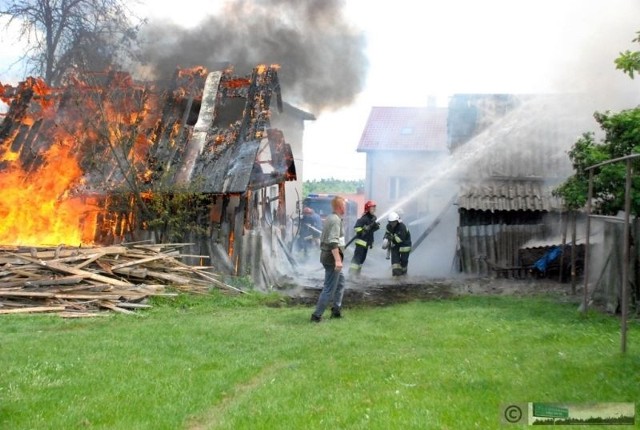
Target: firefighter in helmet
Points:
(365, 226)
(398, 238)
(310, 229)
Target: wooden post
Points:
(563, 228)
(238, 237)
(573, 252)
(256, 249)
(585, 296)
(625, 260)
(282, 205)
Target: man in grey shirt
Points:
(331, 256)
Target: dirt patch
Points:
(388, 291)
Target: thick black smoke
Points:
(322, 58)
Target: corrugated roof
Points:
(405, 129)
(508, 195)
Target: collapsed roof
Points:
(206, 131)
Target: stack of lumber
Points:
(86, 281)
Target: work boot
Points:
(315, 318)
(336, 312)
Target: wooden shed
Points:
(512, 154)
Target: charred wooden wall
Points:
(490, 249)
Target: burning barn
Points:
(105, 159)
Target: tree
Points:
(621, 137)
(629, 61)
(67, 34)
(332, 186)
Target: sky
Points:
(341, 58)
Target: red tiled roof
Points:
(405, 129)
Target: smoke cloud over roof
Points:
(322, 59)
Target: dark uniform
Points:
(399, 239)
(364, 229)
(310, 229)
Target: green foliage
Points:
(177, 213)
(244, 283)
(230, 362)
(331, 186)
(621, 138)
(629, 61)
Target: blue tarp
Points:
(549, 257)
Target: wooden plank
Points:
(104, 266)
(88, 275)
(74, 258)
(93, 287)
(133, 305)
(168, 277)
(88, 261)
(72, 252)
(192, 256)
(55, 295)
(160, 247)
(33, 309)
(134, 254)
(67, 280)
(140, 273)
(24, 273)
(11, 285)
(115, 308)
(208, 277)
(141, 261)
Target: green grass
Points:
(220, 362)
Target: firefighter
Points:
(397, 238)
(366, 225)
(310, 229)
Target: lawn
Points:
(250, 362)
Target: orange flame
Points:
(37, 210)
(36, 206)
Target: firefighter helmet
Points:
(368, 205)
(393, 216)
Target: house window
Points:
(397, 187)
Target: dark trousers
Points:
(399, 262)
(359, 255)
(332, 290)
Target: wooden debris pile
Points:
(79, 282)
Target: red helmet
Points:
(370, 204)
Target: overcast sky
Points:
(399, 53)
